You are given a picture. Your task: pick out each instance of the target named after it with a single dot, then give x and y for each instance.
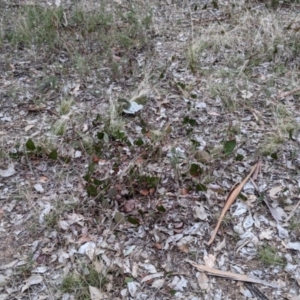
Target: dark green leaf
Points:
(291, 135)
(15, 155)
(274, 155)
(119, 135)
(187, 120)
(160, 208)
(195, 170)
(30, 145)
(229, 146)
(243, 197)
(53, 155)
(239, 157)
(173, 292)
(201, 187)
(91, 190)
(215, 4)
(139, 142)
(133, 221)
(195, 143)
(100, 135)
(181, 85)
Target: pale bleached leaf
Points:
(200, 213)
(132, 287)
(32, 280)
(203, 281)
(132, 108)
(267, 234)
(8, 172)
(179, 283)
(97, 294)
(39, 188)
(293, 246)
(248, 222)
(158, 283)
(152, 276)
(209, 260)
(88, 249)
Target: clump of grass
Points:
(26, 269)
(59, 127)
(78, 284)
(37, 25)
(51, 219)
(268, 255)
(294, 225)
(65, 106)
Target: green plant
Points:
(78, 283)
(65, 106)
(268, 255)
(27, 267)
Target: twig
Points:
(285, 94)
(292, 212)
(230, 275)
(230, 199)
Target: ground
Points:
(125, 129)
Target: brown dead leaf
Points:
(184, 248)
(151, 191)
(274, 191)
(43, 179)
(184, 192)
(129, 206)
(158, 246)
(139, 160)
(144, 192)
(95, 159)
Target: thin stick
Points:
(230, 199)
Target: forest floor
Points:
(125, 126)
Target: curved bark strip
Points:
(230, 199)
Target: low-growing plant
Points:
(78, 283)
(268, 256)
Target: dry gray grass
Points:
(99, 198)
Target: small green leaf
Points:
(181, 85)
(201, 187)
(119, 218)
(195, 143)
(53, 155)
(91, 190)
(215, 4)
(128, 279)
(100, 135)
(195, 170)
(291, 135)
(139, 142)
(133, 221)
(173, 292)
(243, 197)
(229, 146)
(187, 120)
(239, 157)
(161, 208)
(274, 155)
(30, 145)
